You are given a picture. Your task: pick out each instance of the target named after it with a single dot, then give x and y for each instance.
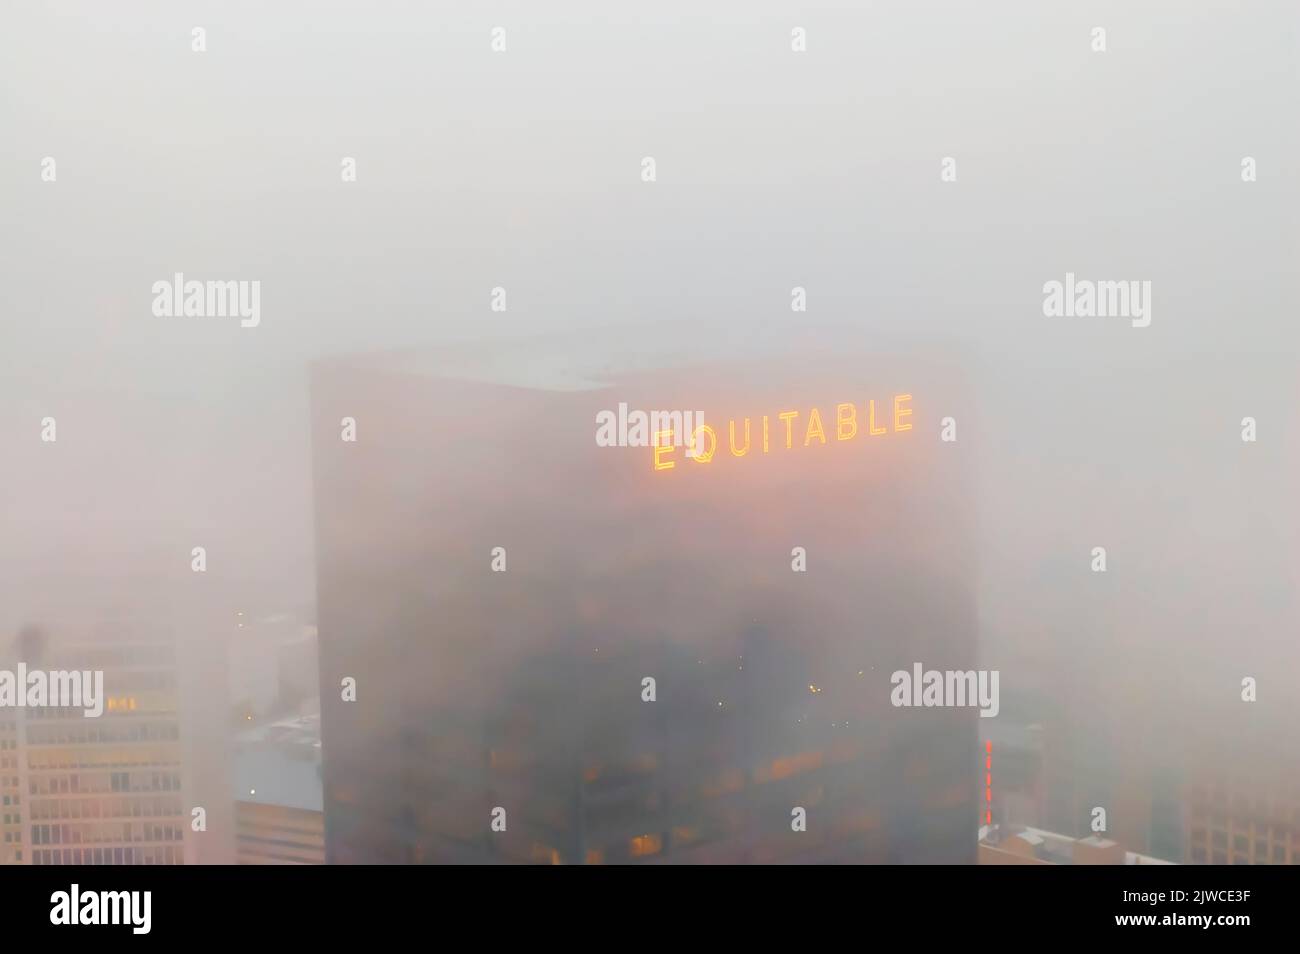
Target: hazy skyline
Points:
(775, 170)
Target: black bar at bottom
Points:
(336, 904)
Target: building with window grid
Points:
(105, 790)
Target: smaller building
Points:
(106, 789)
(279, 811)
(1018, 845)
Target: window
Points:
(644, 845)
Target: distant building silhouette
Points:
(522, 690)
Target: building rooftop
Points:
(1053, 848)
(592, 359)
(279, 764)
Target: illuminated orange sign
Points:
(785, 433)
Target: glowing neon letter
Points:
(846, 421)
(901, 412)
(732, 431)
(701, 455)
(814, 423)
(788, 417)
(662, 448)
(871, 420)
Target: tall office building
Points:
(104, 790)
(11, 793)
(535, 648)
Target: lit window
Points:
(644, 845)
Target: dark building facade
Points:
(508, 595)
